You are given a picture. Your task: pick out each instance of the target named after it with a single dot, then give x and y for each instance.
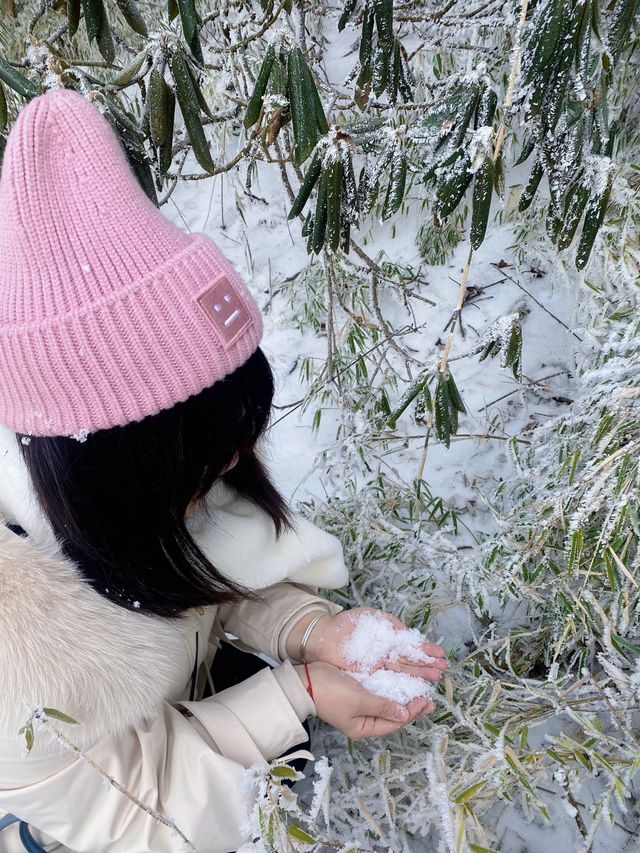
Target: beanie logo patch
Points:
(226, 310)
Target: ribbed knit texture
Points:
(100, 318)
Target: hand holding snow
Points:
(374, 640)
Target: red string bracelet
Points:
(309, 685)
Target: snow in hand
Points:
(374, 640)
(399, 686)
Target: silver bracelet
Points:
(307, 634)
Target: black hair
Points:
(117, 501)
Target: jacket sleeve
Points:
(264, 625)
(187, 763)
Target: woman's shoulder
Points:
(63, 645)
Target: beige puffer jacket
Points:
(128, 679)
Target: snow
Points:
(399, 686)
(375, 639)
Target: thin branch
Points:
(79, 753)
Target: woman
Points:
(141, 528)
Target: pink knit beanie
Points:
(108, 312)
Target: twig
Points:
(79, 753)
(519, 388)
(537, 301)
(201, 176)
(298, 403)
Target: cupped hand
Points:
(330, 635)
(346, 705)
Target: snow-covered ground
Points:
(277, 252)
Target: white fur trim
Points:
(64, 646)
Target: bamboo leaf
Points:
(301, 835)
(345, 234)
(58, 715)
(363, 87)
(442, 411)
(513, 355)
(527, 150)
(310, 178)
(166, 149)
(321, 119)
(452, 189)
(405, 84)
(350, 5)
(379, 70)
(396, 186)
(158, 107)
(283, 771)
(482, 192)
(366, 36)
(131, 14)
(3, 108)
(469, 793)
(454, 394)
(184, 84)
(334, 197)
(593, 219)
(531, 186)
(424, 405)
(303, 105)
(204, 106)
(349, 181)
(393, 83)
(487, 108)
(417, 386)
(132, 70)
(189, 19)
(198, 139)
(93, 15)
(28, 736)
(17, 81)
(621, 25)
(545, 37)
(255, 101)
(574, 208)
(307, 225)
(105, 41)
(383, 13)
(320, 219)
(73, 16)
(190, 111)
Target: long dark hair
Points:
(117, 501)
